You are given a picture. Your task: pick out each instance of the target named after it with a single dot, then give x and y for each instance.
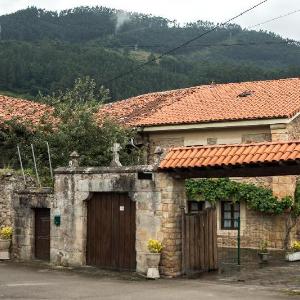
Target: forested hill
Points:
(45, 51)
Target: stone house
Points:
(235, 113)
(140, 202)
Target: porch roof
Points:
(241, 160)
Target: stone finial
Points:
(74, 159)
(116, 155)
(158, 152)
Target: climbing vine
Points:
(257, 198)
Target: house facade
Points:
(223, 114)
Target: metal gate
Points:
(199, 240)
(111, 231)
(42, 233)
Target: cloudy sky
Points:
(188, 10)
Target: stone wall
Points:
(158, 204)
(255, 228)
(9, 183)
(24, 203)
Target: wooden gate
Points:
(111, 231)
(42, 233)
(199, 241)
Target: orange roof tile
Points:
(231, 155)
(210, 103)
(27, 111)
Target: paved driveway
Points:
(18, 281)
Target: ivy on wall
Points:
(257, 198)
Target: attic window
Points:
(245, 94)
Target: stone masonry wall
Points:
(255, 228)
(9, 183)
(158, 204)
(24, 203)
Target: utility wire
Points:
(288, 42)
(274, 19)
(185, 43)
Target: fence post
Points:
(183, 265)
(239, 242)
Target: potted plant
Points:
(5, 241)
(153, 258)
(263, 251)
(294, 254)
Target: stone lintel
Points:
(105, 170)
(44, 191)
(278, 126)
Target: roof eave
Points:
(222, 124)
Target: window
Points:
(195, 206)
(230, 212)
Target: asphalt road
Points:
(18, 281)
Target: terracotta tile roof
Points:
(210, 103)
(28, 111)
(231, 155)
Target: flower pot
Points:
(293, 256)
(264, 256)
(153, 260)
(4, 249)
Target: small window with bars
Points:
(230, 213)
(195, 206)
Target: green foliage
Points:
(77, 129)
(257, 198)
(296, 206)
(45, 51)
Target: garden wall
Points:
(158, 215)
(9, 183)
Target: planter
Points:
(4, 249)
(153, 260)
(293, 256)
(264, 256)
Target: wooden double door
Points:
(111, 231)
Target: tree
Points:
(293, 217)
(75, 128)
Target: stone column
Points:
(279, 132)
(282, 185)
(172, 198)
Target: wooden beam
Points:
(241, 171)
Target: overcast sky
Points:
(188, 10)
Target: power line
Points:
(209, 45)
(274, 19)
(185, 43)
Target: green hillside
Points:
(43, 51)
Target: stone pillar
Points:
(172, 198)
(279, 132)
(68, 239)
(158, 216)
(282, 185)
